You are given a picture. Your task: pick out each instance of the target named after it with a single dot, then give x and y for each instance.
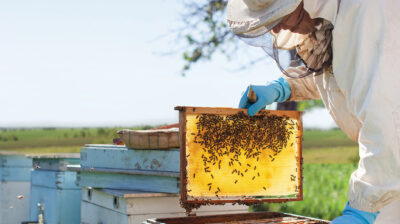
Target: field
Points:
(329, 157)
(319, 146)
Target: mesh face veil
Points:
(312, 49)
(271, 43)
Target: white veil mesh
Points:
(312, 50)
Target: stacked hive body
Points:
(54, 190)
(126, 186)
(15, 173)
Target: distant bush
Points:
(102, 132)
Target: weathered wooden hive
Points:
(227, 157)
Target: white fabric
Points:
(364, 92)
(287, 40)
(325, 87)
(247, 18)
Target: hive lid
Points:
(230, 157)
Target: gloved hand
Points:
(354, 216)
(275, 91)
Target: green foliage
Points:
(205, 30)
(325, 192)
(309, 104)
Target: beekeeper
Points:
(350, 52)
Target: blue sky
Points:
(98, 63)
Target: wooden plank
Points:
(164, 184)
(243, 218)
(133, 219)
(54, 179)
(54, 156)
(146, 205)
(122, 171)
(229, 111)
(109, 146)
(15, 173)
(121, 158)
(105, 146)
(15, 160)
(55, 164)
(136, 194)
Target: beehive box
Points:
(132, 207)
(54, 188)
(117, 167)
(230, 157)
(15, 174)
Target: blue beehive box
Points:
(54, 188)
(15, 174)
(117, 167)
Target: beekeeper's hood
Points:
(252, 21)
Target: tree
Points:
(206, 31)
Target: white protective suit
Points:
(363, 95)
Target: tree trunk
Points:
(290, 105)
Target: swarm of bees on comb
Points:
(233, 139)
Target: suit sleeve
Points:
(302, 88)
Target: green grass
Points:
(325, 192)
(331, 146)
(57, 139)
(347, 154)
(324, 139)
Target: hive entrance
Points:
(230, 157)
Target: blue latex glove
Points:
(354, 216)
(275, 91)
